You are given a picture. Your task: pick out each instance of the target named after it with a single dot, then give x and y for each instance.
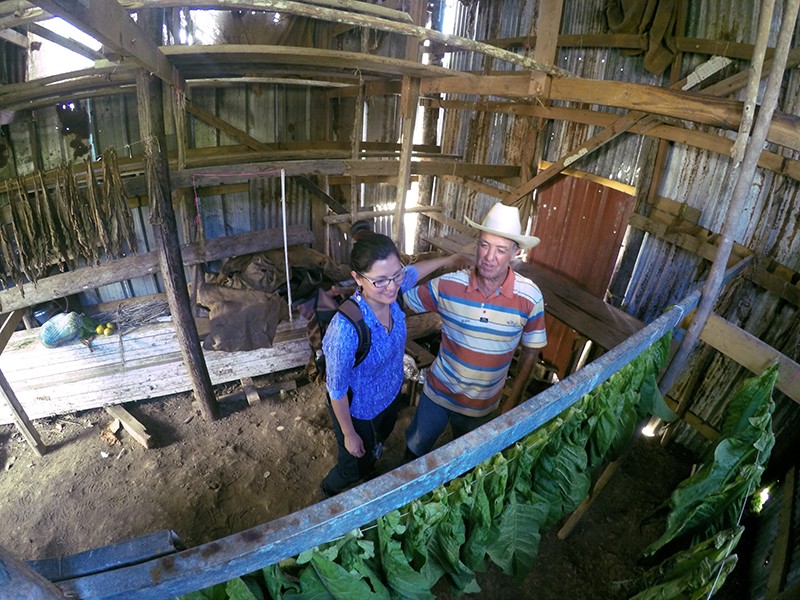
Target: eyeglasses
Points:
(385, 281)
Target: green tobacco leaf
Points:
(704, 498)
(496, 482)
(422, 519)
(215, 592)
(401, 577)
(692, 573)
(242, 589)
(515, 537)
(276, 581)
(343, 584)
(751, 399)
(653, 402)
(311, 587)
(479, 525)
(445, 545)
(560, 476)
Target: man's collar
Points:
(506, 288)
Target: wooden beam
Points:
(64, 42)
(131, 424)
(14, 37)
(321, 194)
(240, 136)
(371, 214)
(753, 354)
(110, 24)
(617, 128)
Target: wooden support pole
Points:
(782, 550)
(741, 191)
(162, 216)
(409, 100)
(21, 420)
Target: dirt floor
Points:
(206, 480)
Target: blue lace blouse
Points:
(377, 380)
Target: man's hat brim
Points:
(526, 242)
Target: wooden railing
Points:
(258, 547)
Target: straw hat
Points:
(503, 220)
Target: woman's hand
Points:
(354, 444)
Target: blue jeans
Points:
(431, 420)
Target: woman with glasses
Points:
(364, 399)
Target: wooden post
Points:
(409, 102)
(19, 581)
(162, 216)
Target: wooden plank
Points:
(128, 552)
(80, 280)
(257, 547)
(753, 354)
(250, 391)
(141, 363)
(131, 424)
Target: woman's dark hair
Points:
(360, 228)
(369, 248)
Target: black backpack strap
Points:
(352, 312)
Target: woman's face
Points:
(387, 274)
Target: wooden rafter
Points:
(111, 25)
(64, 42)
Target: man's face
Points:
(494, 255)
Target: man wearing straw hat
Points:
(486, 311)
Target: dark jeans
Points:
(431, 420)
(350, 469)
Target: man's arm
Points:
(527, 359)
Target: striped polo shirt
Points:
(479, 336)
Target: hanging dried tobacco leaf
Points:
(117, 202)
